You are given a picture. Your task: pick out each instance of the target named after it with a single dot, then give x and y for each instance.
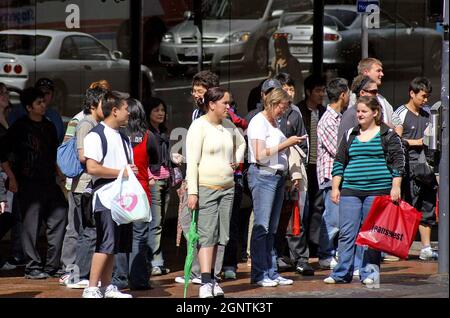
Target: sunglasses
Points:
(371, 91)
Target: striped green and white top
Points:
(367, 170)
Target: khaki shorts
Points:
(213, 225)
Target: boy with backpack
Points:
(107, 151)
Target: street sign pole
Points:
(444, 162)
(364, 36)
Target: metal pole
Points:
(136, 48)
(444, 162)
(198, 22)
(364, 36)
(318, 37)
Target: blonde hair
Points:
(103, 84)
(276, 96)
(366, 64)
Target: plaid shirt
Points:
(327, 143)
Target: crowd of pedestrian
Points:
(312, 171)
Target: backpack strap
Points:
(100, 130)
(125, 141)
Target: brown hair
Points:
(103, 84)
(366, 64)
(374, 105)
(276, 96)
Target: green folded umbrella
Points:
(191, 242)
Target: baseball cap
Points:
(45, 83)
(270, 84)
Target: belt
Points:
(269, 169)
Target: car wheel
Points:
(60, 98)
(260, 56)
(432, 61)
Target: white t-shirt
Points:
(261, 129)
(115, 155)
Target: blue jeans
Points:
(352, 213)
(329, 227)
(131, 269)
(160, 203)
(267, 193)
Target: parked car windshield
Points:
(23, 44)
(346, 17)
(304, 19)
(234, 9)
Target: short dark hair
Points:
(420, 84)
(92, 98)
(206, 79)
(313, 81)
(285, 79)
(213, 95)
(29, 95)
(335, 88)
(110, 101)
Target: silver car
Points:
(397, 43)
(234, 32)
(72, 60)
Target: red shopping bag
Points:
(390, 227)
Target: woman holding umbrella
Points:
(215, 147)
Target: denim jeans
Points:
(131, 269)
(267, 193)
(160, 203)
(352, 213)
(329, 227)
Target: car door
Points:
(97, 63)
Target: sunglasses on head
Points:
(371, 91)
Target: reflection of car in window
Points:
(72, 60)
(397, 43)
(235, 32)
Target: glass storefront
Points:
(78, 42)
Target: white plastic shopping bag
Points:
(126, 198)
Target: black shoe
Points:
(36, 274)
(17, 262)
(304, 269)
(55, 273)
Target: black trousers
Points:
(40, 204)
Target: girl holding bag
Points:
(370, 162)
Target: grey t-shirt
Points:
(413, 127)
(83, 128)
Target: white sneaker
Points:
(112, 292)
(79, 285)
(327, 264)
(427, 254)
(283, 281)
(368, 281)
(92, 292)
(180, 280)
(266, 282)
(356, 273)
(329, 280)
(64, 280)
(217, 290)
(206, 291)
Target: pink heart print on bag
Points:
(128, 201)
